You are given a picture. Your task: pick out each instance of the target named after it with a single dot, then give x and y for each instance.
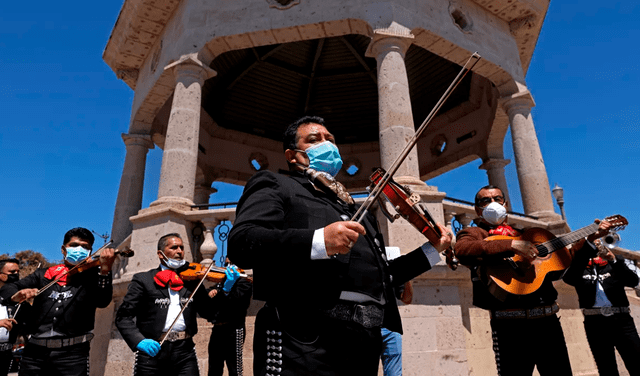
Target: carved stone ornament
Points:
(282, 4)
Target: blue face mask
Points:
(76, 254)
(325, 157)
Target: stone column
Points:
(396, 128)
(129, 200)
(180, 156)
(532, 174)
(495, 172)
(394, 102)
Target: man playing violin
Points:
(327, 284)
(525, 328)
(62, 317)
(150, 313)
(9, 273)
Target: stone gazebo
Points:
(216, 82)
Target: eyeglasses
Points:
(484, 201)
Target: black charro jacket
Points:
(69, 310)
(275, 221)
(144, 309)
(613, 276)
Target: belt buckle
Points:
(172, 336)
(606, 311)
(366, 316)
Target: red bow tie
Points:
(505, 230)
(169, 278)
(597, 261)
(54, 271)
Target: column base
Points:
(172, 201)
(546, 216)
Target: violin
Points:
(408, 205)
(196, 272)
(94, 261)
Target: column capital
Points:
(189, 66)
(394, 38)
(137, 140)
(494, 163)
(523, 99)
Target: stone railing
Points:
(457, 213)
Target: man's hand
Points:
(7, 324)
(525, 249)
(107, 257)
(339, 237)
(149, 347)
(445, 240)
(232, 274)
(24, 294)
(213, 293)
(603, 229)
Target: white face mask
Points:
(494, 213)
(173, 263)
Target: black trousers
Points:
(174, 358)
(606, 333)
(64, 361)
(225, 345)
(5, 361)
(522, 344)
(295, 342)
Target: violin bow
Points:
(377, 190)
(204, 276)
(43, 289)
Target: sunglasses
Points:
(484, 201)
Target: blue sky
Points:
(64, 110)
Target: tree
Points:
(29, 261)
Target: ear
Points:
(64, 251)
(290, 155)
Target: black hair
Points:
(290, 135)
(8, 261)
(483, 188)
(162, 242)
(80, 233)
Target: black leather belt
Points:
(531, 313)
(367, 315)
(56, 343)
(605, 311)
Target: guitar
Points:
(516, 277)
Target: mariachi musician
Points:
(62, 316)
(326, 281)
(525, 328)
(600, 282)
(157, 317)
